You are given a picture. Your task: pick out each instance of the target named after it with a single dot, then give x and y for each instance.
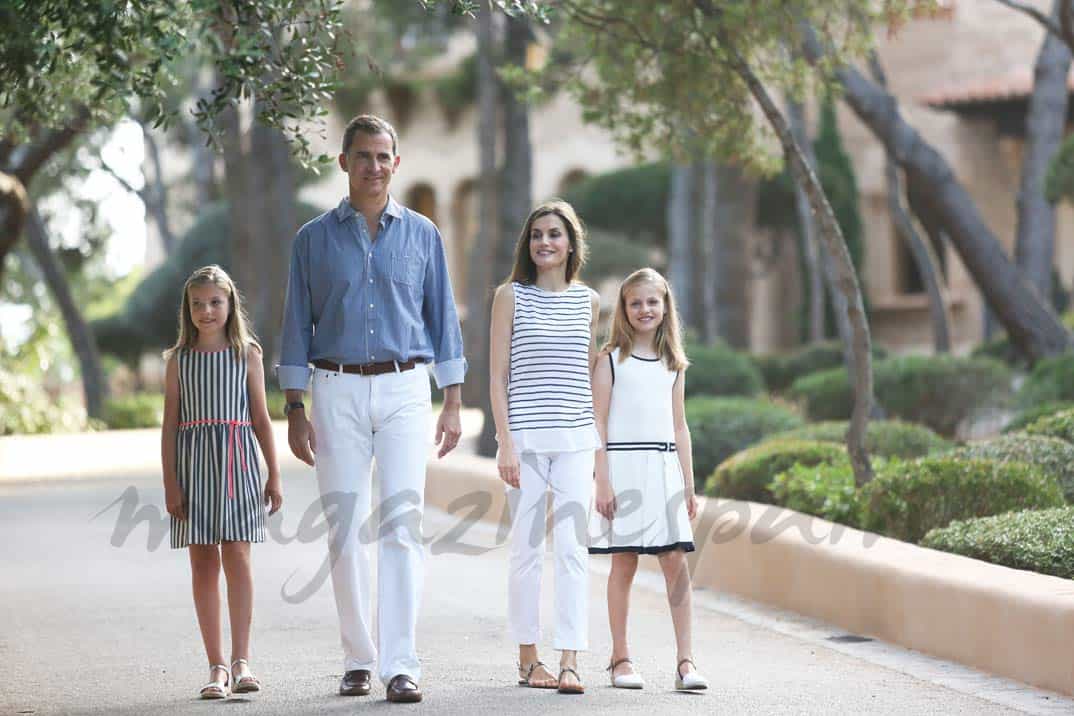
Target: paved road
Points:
(95, 623)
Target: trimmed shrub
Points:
(780, 371)
(746, 475)
(826, 490)
(26, 409)
(721, 370)
(1037, 540)
(907, 499)
(613, 256)
(720, 427)
(1050, 379)
(147, 321)
(1052, 456)
(139, 410)
(1059, 425)
(883, 438)
(939, 391)
(1033, 414)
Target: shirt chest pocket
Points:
(406, 268)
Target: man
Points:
(368, 302)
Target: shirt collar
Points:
(345, 211)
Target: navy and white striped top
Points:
(549, 398)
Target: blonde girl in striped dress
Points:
(214, 407)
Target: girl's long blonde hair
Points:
(668, 340)
(237, 329)
(524, 270)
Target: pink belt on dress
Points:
(232, 441)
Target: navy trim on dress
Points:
(684, 546)
(647, 360)
(656, 446)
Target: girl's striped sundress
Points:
(549, 398)
(217, 464)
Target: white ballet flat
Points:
(691, 681)
(632, 680)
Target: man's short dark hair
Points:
(369, 124)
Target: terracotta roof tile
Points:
(1015, 85)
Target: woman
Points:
(541, 355)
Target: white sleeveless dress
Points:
(643, 466)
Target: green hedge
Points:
(1032, 414)
(907, 499)
(883, 438)
(1052, 456)
(721, 370)
(826, 490)
(139, 410)
(1037, 540)
(1059, 425)
(1051, 379)
(746, 475)
(781, 370)
(720, 427)
(938, 391)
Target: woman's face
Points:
(550, 244)
(644, 307)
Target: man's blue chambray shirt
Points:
(352, 300)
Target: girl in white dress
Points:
(644, 476)
(541, 354)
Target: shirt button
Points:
(371, 305)
(370, 280)
(370, 330)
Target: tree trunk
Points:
(1034, 247)
(480, 279)
(846, 280)
(94, 385)
(281, 226)
(155, 193)
(516, 190)
(808, 233)
(711, 232)
(734, 198)
(1030, 322)
(923, 255)
(14, 206)
(681, 230)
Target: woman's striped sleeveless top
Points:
(550, 401)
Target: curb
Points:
(1008, 622)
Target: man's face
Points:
(369, 163)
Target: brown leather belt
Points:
(388, 366)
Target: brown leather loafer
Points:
(355, 683)
(403, 690)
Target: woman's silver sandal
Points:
(247, 684)
(213, 689)
(632, 680)
(691, 681)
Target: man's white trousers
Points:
(356, 420)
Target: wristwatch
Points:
(297, 405)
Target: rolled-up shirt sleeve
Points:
(293, 372)
(441, 318)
